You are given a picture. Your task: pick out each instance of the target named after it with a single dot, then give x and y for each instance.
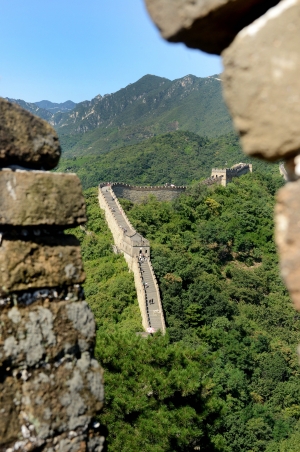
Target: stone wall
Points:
(111, 221)
(140, 290)
(160, 307)
(283, 172)
(51, 386)
(124, 239)
(227, 174)
(137, 194)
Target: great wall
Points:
(49, 378)
(135, 248)
(227, 174)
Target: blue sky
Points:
(74, 49)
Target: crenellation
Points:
(226, 174)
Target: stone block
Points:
(64, 397)
(36, 198)
(39, 262)
(209, 25)
(46, 331)
(9, 422)
(52, 407)
(51, 388)
(287, 235)
(25, 139)
(262, 83)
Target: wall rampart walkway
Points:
(133, 246)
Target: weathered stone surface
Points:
(39, 262)
(45, 331)
(287, 218)
(209, 25)
(36, 198)
(27, 297)
(9, 422)
(291, 168)
(262, 83)
(25, 139)
(50, 387)
(52, 405)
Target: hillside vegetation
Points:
(151, 106)
(177, 157)
(225, 377)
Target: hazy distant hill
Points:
(56, 107)
(33, 108)
(45, 109)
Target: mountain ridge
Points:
(55, 107)
(150, 106)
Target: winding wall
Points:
(129, 242)
(132, 245)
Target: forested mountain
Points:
(176, 157)
(144, 109)
(225, 377)
(148, 107)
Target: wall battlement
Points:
(169, 192)
(138, 194)
(227, 174)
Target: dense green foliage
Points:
(177, 157)
(157, 393)
(225, 376)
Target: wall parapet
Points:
(138, 193)
(152, 187)
(144, 187)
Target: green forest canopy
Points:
(225, 377)
(178, 157)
